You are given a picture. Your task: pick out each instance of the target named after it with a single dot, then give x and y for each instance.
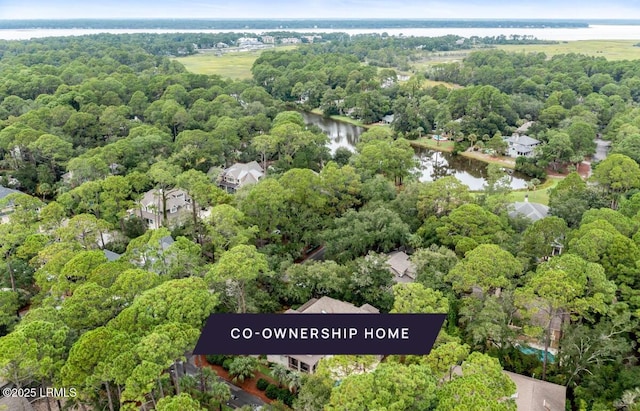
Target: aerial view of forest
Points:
(138, 197)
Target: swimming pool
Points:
(534, 351)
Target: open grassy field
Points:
(610, 49)
(539, 195)
(430, 143)
(236, 65)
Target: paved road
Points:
(240, 397)
(602, 149)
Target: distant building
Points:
(240, 174)
(268, 39)
(521, 145)
(290, 40)
(221, 45)
(324, 305)
(404, 271)
(152, 209)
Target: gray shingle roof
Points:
(5, 191)
(523, 140)
(533, 211)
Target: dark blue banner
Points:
(245, 334)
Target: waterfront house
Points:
(521, 145)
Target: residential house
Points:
(532, 211)
(532, 394)
(290, 40)
(268, 39)
(537, 395)
(521, 145)
(388, 119)
(404, 271)
(6, 207)
(152, 209)
(111, 256)
(240, 174)
(324, 305)
(522, 130)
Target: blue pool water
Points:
(540, 353)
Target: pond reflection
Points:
(433, 164)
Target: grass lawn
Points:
(344, 119)
(236, 65)
(610, 49)
(431, 144)
(540, 194)
(503, 161)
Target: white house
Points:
(240, 174)
(152, 209)
(521, 145)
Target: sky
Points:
(491, 9)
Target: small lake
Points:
(433, 164)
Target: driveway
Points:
(239, 398)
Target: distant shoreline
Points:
(311, 24)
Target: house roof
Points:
(328, 305)
(175, 197)
(523, 140)
(15, 404)
(311, 360)
(533, 211)
(6, 191)
(245, 171)
(523, 128)
(536, 395)
(400, 265)
(388, 118)
(165, 242)
(111, 256)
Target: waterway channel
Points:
(433, 164)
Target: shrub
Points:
(262, 384)
(216, 359)
(227, 363)
(272, 392)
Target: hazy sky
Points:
(552, 9)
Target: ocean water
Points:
(593, 32)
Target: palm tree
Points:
(629, 400)
(188, 383)
(242, 368)
(294, 380)
(220, 393)
(280, 373)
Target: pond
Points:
(433, 164)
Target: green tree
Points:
(242, 368)
(566, 284)
(482, 386)
(238, 268)
(487, 267)
(181, 402)
(617, 174)
(416, 298)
